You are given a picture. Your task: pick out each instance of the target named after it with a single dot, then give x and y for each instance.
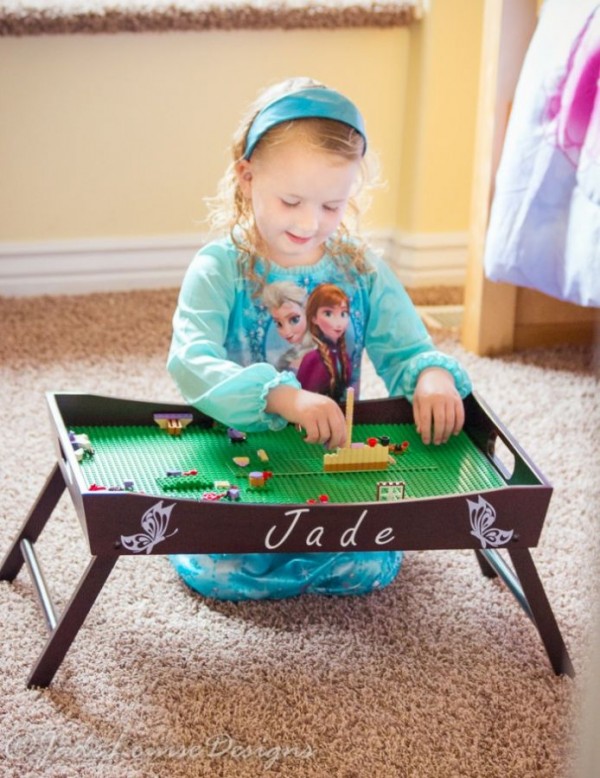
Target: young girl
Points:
(297, 162)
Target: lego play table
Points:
(145, 490)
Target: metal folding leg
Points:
(486, 567)
(73, 616)
(63, 629)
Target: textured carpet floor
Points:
(440, 675)
(43, 17)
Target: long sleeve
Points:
(398, 343)
(198, 361)
(225, 344)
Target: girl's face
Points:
(332, 320)
(298, 196)
(290, 320)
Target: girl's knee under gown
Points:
(276, 576)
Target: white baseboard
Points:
(101, 265)
(124, 264)
(426, 259)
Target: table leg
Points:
(71, 619)
(34, 523)
(541, 612)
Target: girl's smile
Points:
(297, 239)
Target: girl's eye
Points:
(290, 204)
(331, 208)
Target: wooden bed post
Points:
(489, 317)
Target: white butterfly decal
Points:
(154, 523)
(482, 516)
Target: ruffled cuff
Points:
(272, 420)
(411, 373)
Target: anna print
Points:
(327, 368)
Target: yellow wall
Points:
(123, 135)
(445, 51)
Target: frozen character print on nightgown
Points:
(285, 302)
(276, 576)
(327, 369)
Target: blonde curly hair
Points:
(230, 211)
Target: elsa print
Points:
(285, 302)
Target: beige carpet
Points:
(44, 17)
(439, 676)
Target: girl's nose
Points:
(307, 221)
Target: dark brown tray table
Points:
(463, 498)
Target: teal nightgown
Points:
(224, 352)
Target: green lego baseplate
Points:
(145, 454)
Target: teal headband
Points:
(312, 103)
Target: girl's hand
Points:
(437, 406)
(320, 416)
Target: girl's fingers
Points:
(435, 422)
(423, 420)
(449, 421)
(459, 419)
(327, 428)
